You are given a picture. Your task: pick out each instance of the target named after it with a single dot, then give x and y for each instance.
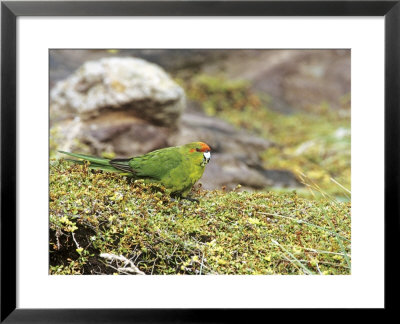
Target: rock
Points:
(221, 136)
(227, 170)
(123, 105)
(131, 85)
(235, 155)
(123, 135)
(292, 79)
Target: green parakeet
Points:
(176, 168)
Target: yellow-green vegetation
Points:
(95, 212)
(315, 142)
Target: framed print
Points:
(160, 158)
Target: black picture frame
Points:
(10, 11)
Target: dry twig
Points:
(132, 268)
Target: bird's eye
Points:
(198, 150)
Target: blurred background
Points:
(275, 119)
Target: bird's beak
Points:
(207, 156)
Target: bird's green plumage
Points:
(176, 168)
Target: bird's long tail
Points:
(95, 162)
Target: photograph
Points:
(233, 152)
(199, 161)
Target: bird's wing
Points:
(152, 165)
(121, 164)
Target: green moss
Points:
(93, 212)
(315, 142)
(54, 140)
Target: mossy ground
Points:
(271, 232)
(314, 143)
(94, 212)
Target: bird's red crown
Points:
(203, 147)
